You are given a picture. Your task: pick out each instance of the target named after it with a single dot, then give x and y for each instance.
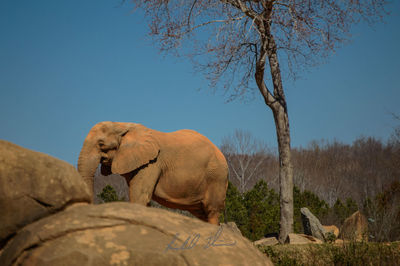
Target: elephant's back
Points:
(192, 142)
(188, 145)
(194, 138)
(189, 138)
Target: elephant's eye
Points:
(101, 143)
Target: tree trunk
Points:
(285, 173)
(277, 103)
(281, 118)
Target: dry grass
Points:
(350, 253)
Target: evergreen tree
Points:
(262, 206)
(235, 211)
(109, 194)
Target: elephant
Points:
(182, 169)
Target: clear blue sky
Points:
(66, 65)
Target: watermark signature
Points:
(192, 241)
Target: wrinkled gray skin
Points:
(181, 169)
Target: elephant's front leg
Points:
(141, 186)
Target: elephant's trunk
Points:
(88, 161)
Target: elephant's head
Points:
(119, 147)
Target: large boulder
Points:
(127, 234)
(312, 226)
(297, 239)
(355, 227)
(266, 241)
(34, 185)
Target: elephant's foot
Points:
(213, 218)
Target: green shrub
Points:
(288, 258)
(108, 194)
(330, 237)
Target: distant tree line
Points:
(331, 170)
(332, 179)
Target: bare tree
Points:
(384, 213)
(245, 156)
(244, 38)
(395, 138)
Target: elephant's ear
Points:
(137, 148)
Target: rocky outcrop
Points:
(34, 185)
(294, 239)
(312, 225)
(127, 234)
(355, 227)
(46, 220)
(297, 239)
(232, 226)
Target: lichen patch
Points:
(120, 258)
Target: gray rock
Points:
(312, 225)
(34, 185)
(122, 233)
(232, 226)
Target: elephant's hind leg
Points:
(214, 200)
(214, 203)
(199, 213)
(212, 214)
(202, 214)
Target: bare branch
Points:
(214, 21)
(190, 12)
